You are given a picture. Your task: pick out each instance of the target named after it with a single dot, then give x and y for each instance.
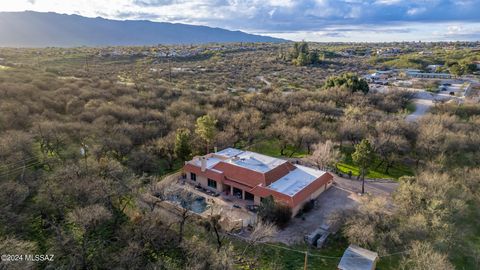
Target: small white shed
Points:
(357, 258)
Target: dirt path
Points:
(423, 101)
(421, 108)
(261, 78)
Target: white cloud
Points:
(416, 11)
(455, 29)
(272, 12)
(377, 33)
(306, 17)
(388, 2)
(281, 3)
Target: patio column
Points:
(231, 191)
(243, 194)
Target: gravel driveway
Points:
(341, 196)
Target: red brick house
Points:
(251, 176)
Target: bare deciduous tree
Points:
(324, 155)
(371, 225)
(422, 256)
(262, 232)
(87, 219)
(12, 246)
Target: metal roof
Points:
(357, 258)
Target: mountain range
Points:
(38, 29)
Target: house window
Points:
(249, 196)
(237, 193)
(193, 177)
(212, 183)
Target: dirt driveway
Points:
(423, 101)
(343, 195)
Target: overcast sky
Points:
(311, 20)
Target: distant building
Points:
(425, 75)
(425, 53)
(406, 70)
(388, 51)
(434, 68)
(357, 258)
(250, 176)
(478, 64)
(379, 75)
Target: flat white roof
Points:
(296, 180)
(229, 152)
(211, 162)
(428, 73)
(357, 258)
(250, 160)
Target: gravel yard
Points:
(341, 196)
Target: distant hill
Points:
(36, 29)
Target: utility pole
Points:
(86, 63)
(169, 70)
(305, 265)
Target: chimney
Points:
(203, 161)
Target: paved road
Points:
(376, 188)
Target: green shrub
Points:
(308, 206)
(278, 213)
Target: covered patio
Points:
(237, 193)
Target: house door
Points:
(249, 196)
(226, 189)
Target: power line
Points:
(16, 170)
(301, 251)
(317, 255)
(27, 164)
(19, 169)
(329, 257)
(19, 161)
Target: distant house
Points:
(357, 258)
(434, 68)
(379, 75)
(478, 64)
(250, 177)
(425, 53)
(388, 51)
(407, 70)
